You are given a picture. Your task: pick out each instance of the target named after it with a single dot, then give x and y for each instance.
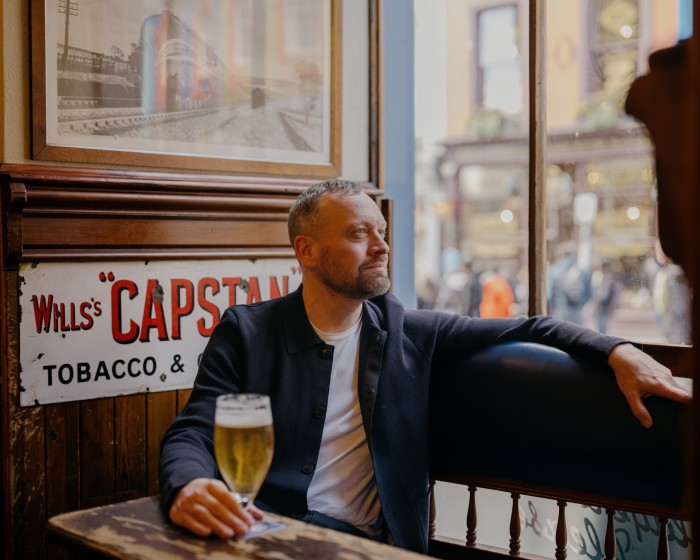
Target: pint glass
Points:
(243, 442)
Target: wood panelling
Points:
(131, 474)
(62, 457)
(135, 232)
(62, 214)
(160, 410)
(58, 215)
(97, 452)
(26, 487)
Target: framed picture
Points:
(242, 86)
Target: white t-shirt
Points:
(343, 484)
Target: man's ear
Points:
(306, 250)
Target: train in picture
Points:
(176, 70)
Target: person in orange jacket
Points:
(497, 297)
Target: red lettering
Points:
(153, 316)
(207, 305)
(85, 314)
(62, 315)
(253, 290)
(117, 334)
(48, 313)
(42, 312)
(73, 324)
(275, 289)
(231, 284)
(180, 310)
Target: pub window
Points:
(500, 71)
(613, 30)
(592, 255)
(514, 197)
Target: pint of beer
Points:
(243, 442)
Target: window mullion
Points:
(537, 146)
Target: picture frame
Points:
(227, 86)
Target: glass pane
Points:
(472, 175)
(471, 189)
(606, 270)
(471, 181)
(499, 62)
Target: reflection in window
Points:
(499, 60)
(614, 54)
(602, 268)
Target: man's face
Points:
(353, 255)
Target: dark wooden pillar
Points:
(667, 100)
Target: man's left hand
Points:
(639, 375)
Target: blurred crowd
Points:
(587, 296)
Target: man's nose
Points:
(379, 245)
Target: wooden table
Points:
(138, 530)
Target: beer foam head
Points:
(243, 419)
(243, 410)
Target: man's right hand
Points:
(206, 506)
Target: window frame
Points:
(675, 357)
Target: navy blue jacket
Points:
(271, 348)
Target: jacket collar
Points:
(298, 332)
(300, 335)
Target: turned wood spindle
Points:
(515, 526)
(662, 552)
(560, 553)
(610, 545)
(471, 517)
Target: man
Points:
(348, 371)
(568, 285)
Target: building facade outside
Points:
(472, 175)
(472, 203)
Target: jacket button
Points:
(320, 411)
(327, 353)
(308, 468)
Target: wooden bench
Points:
(589, 448)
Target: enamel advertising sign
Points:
(90, 330)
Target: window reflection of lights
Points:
(506, 216)
(594, 178)
(633, 213)
(626, 31)
(443, 208)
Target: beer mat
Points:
(261, 528)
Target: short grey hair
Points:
(303, 216)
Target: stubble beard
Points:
(361, 285)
